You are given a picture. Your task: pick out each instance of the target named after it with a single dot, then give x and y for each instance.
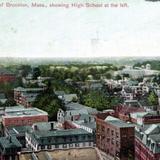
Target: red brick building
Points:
(26, 96)
(6, 76)
(147, 142)
(123, 112)
(23, 116)
(115, 137)
(141, 118)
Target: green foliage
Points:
(36, 72)
(10, 102)
(25, 69)
(77, 72)
(98, 100)
(126, 75)
(118, 77)
(156, 79)
(49, 103)
(153, 99)
(114, 100)
(155, 64)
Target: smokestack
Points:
(89, 119)
(35, 127)
(52, 125)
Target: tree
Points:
(156, 79)
(25, 69)
(153, 99)
(10, 102)
(96, 99)
(118, 77)
(49, 103)
(125, 75)
(36, 72)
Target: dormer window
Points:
(152, 146)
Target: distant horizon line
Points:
(82, 57)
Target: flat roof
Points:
(117, 122)
(59, 133)
(46, 125)
(19, 112)
(16, 130)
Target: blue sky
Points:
(86, 32)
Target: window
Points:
(76, 137)
(56, 146)
(64, 139)
(112, 132)
(71, 145)
(103, 128)
(49, 147)
(117, 143)
(42, 146)
(117, 135)
(49, 140)
(77, 145)
(98, 127)
(112, 141)
(65, 146)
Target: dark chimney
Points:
(35, 127)
(89, 119)
(52, 125)
(10, 139)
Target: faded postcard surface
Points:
(79, 28)
(79, 80)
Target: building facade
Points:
(58, 139)
(6, 76)
(25, 96)
(147, 142)
(9, 147)
(115, 137)
(23, 117)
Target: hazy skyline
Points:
(53, 32)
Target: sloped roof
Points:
(153, 129)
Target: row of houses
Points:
(128, 133)
(28, 129)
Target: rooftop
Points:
(149, 136)
(19, 112)
(117, 122)
(59, 133)
(28, 89)
(77, 106)
(46, 126)
(9, 142)
(16, 130)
